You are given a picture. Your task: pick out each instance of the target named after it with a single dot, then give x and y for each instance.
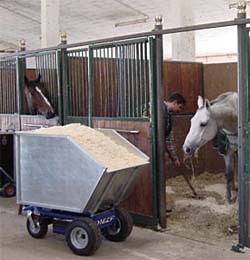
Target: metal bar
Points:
(122, 130)
(133, 81)
(86, 82)
(139, 35)
(107, 84)
(141, 73)
(242, 128)
(247, 184)
(113, 85)
(78, 77)
(128, 77)
(91, 85)
(65, 86)
(59, 86)
(160, 132)
(137, 86)
(100, 68)
(145, 74)
(35, 125)
(153, 118)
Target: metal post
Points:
(20, 73)
(242, 119)
(90, 84)
(160, 125)
(62, 80)
(153, 122)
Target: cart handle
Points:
(123, 130)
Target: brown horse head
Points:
(36, 100)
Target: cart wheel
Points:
(9, 190)
(83, 236)
(39, 229)
(122, 227)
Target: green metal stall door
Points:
(247, 172)
(110, 85)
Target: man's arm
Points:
(171, 149)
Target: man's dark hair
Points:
(176, 97)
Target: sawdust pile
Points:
(206, 216)
(105, 150)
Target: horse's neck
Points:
(28, 99)
(226, 117)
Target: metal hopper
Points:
(55, 172)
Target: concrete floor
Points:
(17, 244)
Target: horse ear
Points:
(26, 81)
(207, 103)
(200, 102)
(39, 77)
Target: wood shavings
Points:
(111, 154)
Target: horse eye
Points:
(203, 124)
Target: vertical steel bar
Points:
(86, 82)
(1, 87)
(65, 88)
(242, 126)
(125, 87)
(160, 130)
(141, 74)
(59, 85)
(122, 83)
(99, 74)
(153, 119)
(132, 80)
(72, 84)
(137, 90)
(112, 80)
(108, 81)
(129, 80)
(90, 84)
(81, 84)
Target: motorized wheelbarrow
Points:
(63, 185)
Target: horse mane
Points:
(222, 98)
(224, 109)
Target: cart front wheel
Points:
(37, 229)
(83, 236)
(122, 227)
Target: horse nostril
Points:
(187, 150)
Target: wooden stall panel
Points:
(219, 78)
(140, 200)
(78, 82)
(185, 78)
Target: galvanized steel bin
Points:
(55, 172)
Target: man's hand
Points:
(177, 163)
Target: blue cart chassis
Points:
(60, 219)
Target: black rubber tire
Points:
(83, 236)
(121, 229)
(41, 227)
(9, 190)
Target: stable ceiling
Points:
(93, 19)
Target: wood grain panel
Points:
(185, 78)
(219, 78)
(140, 199)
